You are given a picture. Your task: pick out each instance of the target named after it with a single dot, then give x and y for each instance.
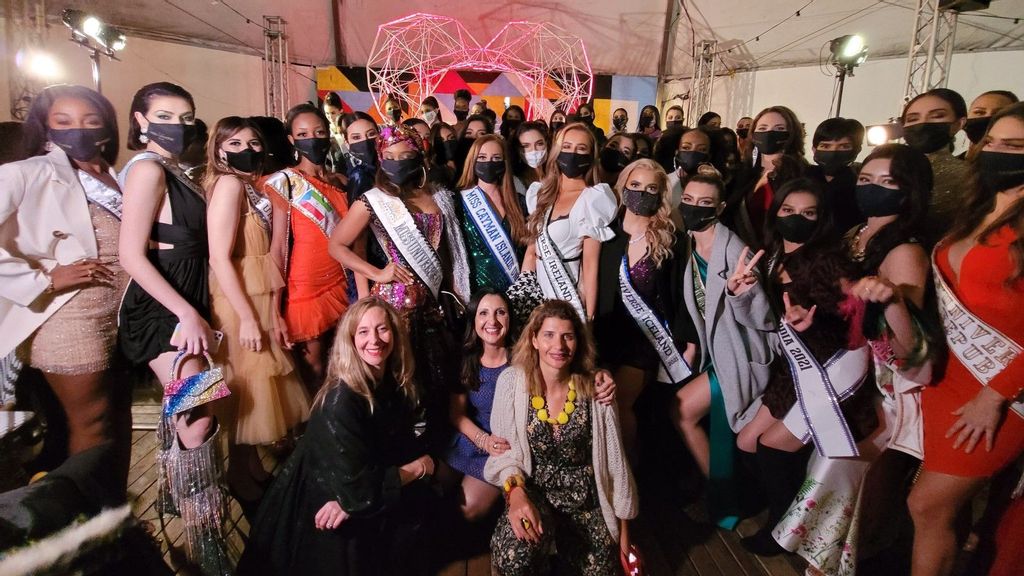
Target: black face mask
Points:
(490, 172)
(82, 144)
(796, 228)
(556, 126)
(646, 121)
(832, 162)
(172, 137)
(364, 153)
(463, 149)
(877, 200)
(771, 141)
(588, 120)
(673, 124)
(640, 202)
(619, 123)
(315, 149)
(246, 161)
(697, 218)
(1000, 171)
(928, 137)
(508, 128)
(574, 165)
(975, 128)
(401, 172)
(743, 132)
(689, 160)
(461, 115)
(613, 160)
(445, 150)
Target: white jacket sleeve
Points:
(504, 424)
(20, 282)
(623, 492)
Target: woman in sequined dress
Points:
(403, 186)
(566, 480)
(646, 239)
(59, 220)
(488, 169)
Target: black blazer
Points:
(612, 324)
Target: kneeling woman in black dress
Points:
(346, 500)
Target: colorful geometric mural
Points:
(610, 92)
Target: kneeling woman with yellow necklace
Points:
(567, 485)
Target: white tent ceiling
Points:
(622, 37)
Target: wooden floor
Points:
(673, 539)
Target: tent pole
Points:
(668, 44)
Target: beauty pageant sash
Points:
(401, 228)
(493, 233)
(558, 276)
(261, 204)
(674, 368)
(819, 390)
(97, 192)
(304, 197)
(908, 426)
(982, 349)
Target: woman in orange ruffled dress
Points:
(308, 204)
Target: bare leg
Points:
(86, 399)
(693, 402)
(311, 360)
(934, 503)
(746, 440)
(779, 437)
(193, 427)
(479, 498)
(629, 383)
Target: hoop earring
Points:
(423, 182)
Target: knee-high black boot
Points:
(782, 473)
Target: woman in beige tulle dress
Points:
(268, 398)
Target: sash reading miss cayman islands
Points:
(400, 226)
(492, 232)
(982, 349)
(673, 368)
(558, 276)
(819, 390)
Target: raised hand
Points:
(797, 316)
(743, 277)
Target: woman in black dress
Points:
(165, 312)
(347, 500)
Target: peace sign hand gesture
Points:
(797, 316)
(743, 278)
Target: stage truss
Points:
(411, 56)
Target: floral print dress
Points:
(562, 488)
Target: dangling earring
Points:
(49, 146)
(295, 154)
(142, 136)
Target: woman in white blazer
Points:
(60, 280)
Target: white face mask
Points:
(430, 116)
(535, 157)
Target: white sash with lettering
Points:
(492, 232)
(673, 368)
(558, 277)
(982, 349)
(401, 227)
(904, 398)
(819, 390)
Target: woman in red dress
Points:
(971, 429)
(308, 204)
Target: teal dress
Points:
(721, 488)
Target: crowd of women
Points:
(456, 323)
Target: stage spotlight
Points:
(849, 50)
(85, 26)
(92, 26)
(884, 133)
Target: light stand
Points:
(108, 39)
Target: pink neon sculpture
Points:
(411, 55)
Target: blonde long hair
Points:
(583, 364)
(346, 368)
(660, 231)
(550, 183)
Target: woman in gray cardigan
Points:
(566, 482)
(735, 327)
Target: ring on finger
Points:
(525, 523)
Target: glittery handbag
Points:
(181, 394)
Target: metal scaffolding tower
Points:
(25, 26)
(931, 48)
(275, 66)
(703, 80)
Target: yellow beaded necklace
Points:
(540, 404)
